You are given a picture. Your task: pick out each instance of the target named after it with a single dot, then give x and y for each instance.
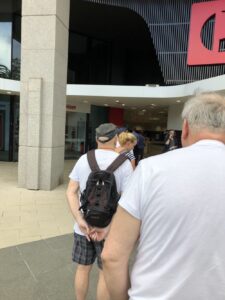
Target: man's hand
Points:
(98, 234)
(74, 204)
(84, 227)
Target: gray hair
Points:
(205, 111)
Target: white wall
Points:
(78, 107)
(174, 117)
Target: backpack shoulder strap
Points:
(117, 162)
(92, 160)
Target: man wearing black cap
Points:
(85, 250)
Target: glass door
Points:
(75, 135)
(4, 127)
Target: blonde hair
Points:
(125, 137)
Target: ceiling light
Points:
(123, 104)
(85, 101)
(144, 110)
(141, 112)
(106, 104)
(178, 101)
(154, 118)
(117, 101)
(8, 92)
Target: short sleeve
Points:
(75, 173)
(132, 196)
(126, 172)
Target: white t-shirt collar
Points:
(209, 142)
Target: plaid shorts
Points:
(85, 252)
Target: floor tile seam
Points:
(26, 263)
(40, 238)
(36, 226)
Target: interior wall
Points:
(116, 116)
(174, 117)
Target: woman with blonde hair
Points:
(126, 143)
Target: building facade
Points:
(67, 66)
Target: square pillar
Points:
(43, 93)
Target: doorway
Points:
(9, 127)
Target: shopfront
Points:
(77, 118)
(9, 128)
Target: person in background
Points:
(139, 148)
(170, 141)
(85, 248)
(174, 207)
(126, 143)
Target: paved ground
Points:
(32, 265)
(27, 215)
(40, 270)
(36, 240)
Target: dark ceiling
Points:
(10, 6)
(107, 22)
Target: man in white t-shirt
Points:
(174, 206)
(85, 250)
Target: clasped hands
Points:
(93, 233)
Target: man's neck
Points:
(110, 145)
(106, 148)
(206, 135)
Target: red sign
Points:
(198, 54)
(71, 107)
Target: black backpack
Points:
(100, 197)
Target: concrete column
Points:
(43, 93)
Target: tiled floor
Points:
(34, 266)
(40, 270)
(27, 215)
(36, 241)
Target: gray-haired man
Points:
(174, 206)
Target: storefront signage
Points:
(198, 54)
(71, 107)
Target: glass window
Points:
(5, 46)
(16, 46)
(10, 39)
(89, 60)
(75, 135)
(4, 127)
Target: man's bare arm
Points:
(119, 244)
(74, 204)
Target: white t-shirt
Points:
(104, 158)
(180, 199)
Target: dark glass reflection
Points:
(5, 46)
(16, 46)
(10, 39)
(4, 127)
